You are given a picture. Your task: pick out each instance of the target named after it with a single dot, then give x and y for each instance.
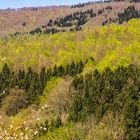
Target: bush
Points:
(49, 125)
(132, 120)
(13, 103)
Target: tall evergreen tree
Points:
(43, 78)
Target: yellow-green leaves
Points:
(109, 45)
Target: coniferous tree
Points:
(72, 69)
(6, 78)
(13, 80)
(61, 71)
(80, 67)
(34, 89)
(5, 71)
(131, 110)
(28, 79)
(49, 74)
(21, 76)
(43, 78)
(67, 71)
(55, 71)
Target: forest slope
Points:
(109, 46)
(27, 19)
(81, 84)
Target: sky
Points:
(4, 4)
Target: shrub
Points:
(14, 102)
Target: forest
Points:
(71, 79)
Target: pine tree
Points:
(80, 67)
(49, 74)
(43, 78)
(6, 78)
(5, 72)
(61, 71)
(55, 71)
(67, 71)
(28, 79)
(21, 76)
(34, 89)
(131, 110)
(13, 80)
(72, 69)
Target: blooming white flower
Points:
(46, 105)
(21, 134)
(4, 58)
(11, 126)
(44, 128)
(26, 128)
(35, 132)
(5, 132)
(38, 119)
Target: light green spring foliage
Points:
(109, 45)
(67, 132)
(50, 86)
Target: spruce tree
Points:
(43, 78)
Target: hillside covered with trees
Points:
(73, 76)
(66, 18)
